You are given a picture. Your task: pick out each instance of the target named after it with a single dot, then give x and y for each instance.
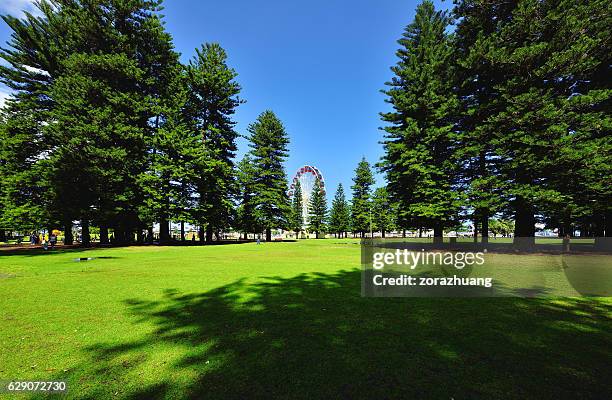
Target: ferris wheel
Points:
(307, 176)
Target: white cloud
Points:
(17, 7)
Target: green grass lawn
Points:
(282, 320)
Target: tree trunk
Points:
(566, 224)
(139, 235)
(118, 235)
(404, 233)
(85, 237)
(524, 224)
(608, 224)
(68, 238)
(383, 233)
(128, 236)
(150, 234)
(164, 230)
(484, 215)
(584, 230)
(268, 234)
(201, 233)
(103, 234)
(603, 239)
(421, 232)
(182, 231)
(438, 234)
(567, 228)
(2, 235)
(485, 227)
(209, 233)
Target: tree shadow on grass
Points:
(38, 250)
(313, 336)
(35, 251)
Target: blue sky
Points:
(319, 65)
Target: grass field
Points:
(282, 320)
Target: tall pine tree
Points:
(167, 183)
(317, 209)
(477, 82)
(296, 221)
(94, 86)
(549, 55)
(213, 99)
(419, 144)
(361, 207)
(269, 143)
(32, 60)
(383, 212)
(247, 220)
(339, 216)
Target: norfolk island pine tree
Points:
(317, 209)
(361, 206)
(296, 220)
(340, 214)
(269, 143)
(419, 159)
